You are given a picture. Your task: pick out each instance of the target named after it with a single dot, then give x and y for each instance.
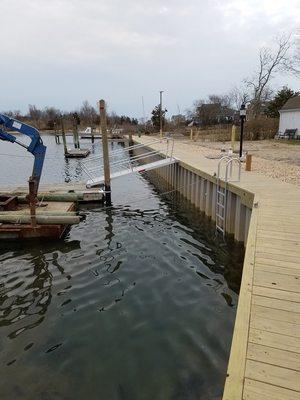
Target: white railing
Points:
(126, 158)
(227, 162)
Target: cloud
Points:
(62, 51)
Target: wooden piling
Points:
(92, 134)
(105, 151)
(75, 131)
(63, 133)
(130, 139)
(248, 162)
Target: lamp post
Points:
(160, 113)
(242, 117)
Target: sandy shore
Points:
(269, 157)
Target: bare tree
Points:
(88, 113)
(271, 61)
(296, 59)
(238, 96)
(35, 114)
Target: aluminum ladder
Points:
(221, 189)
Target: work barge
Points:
(55, 210)
(264, 213)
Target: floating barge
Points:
(49, 213)
(54, 214)
(77, 153)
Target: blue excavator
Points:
(36, 148)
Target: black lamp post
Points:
(242, 117)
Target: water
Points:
(136, 303)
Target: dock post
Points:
(75, 131)
(105, 151)
(63, 135)
(248, 162)
(92, 134)
(130, 139)
(57, 140)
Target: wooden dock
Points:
(77, 153)
(264, 360)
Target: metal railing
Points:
(221, 192)
(126, 158)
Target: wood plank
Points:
(279, 263)
(275, 340)
(271, 235)
(279, 227)
(283, 377)
(269, 355)
(237, 362)
(276, 315)
(271, 325)
(255, 390)
(281, 250)
(283, 282)
(276, 304)
(275, 293)
(269, 255)
(278, 270)
(279, 243)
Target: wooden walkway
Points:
(264, 360)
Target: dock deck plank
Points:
(264, 361)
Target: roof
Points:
(292, 104)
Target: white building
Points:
(290, 117)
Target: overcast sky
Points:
(62, 52)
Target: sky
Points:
(62, 52)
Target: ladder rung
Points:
(219, 228)
(220, 205)
(220, 216)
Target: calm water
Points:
(136, 303)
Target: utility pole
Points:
(105, 151)
(160, 113)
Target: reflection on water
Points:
(138, 302)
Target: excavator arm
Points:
(36, 147)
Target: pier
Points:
(264, 213)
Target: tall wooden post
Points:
(92, 133)
(160, 114)
(105, 151)
(130, 139)
(63, 135)
(248, 162)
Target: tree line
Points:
(256, 92)
(49, 117)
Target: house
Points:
(289, 122)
